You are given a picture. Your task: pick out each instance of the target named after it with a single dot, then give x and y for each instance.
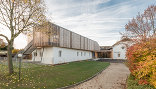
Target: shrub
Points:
(15, 51)
(142, 62)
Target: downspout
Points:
(42, 54)
(35, 55)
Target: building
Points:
(105, 52)
(119, 48)
(55, 45)
(2, 43)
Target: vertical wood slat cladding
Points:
(75, 41)
(86, 43)
(82, 42)
(40, 38)
(66, 38)
(61, 37)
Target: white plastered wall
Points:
(51, 55)
(117, 50)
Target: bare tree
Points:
(142, 27)
(19, 16)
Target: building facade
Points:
(55, 45)
(105, 52)
(119, 49)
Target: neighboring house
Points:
(61, 45)
(120, 48)
(2, 43)
(3, 53)
(3, 49)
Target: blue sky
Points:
(100, 20)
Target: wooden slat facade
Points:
(86, 43)
(82, 42)
(61, 37)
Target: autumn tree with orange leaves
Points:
(142, 55)
(17, 17)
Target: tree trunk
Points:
(9, 55)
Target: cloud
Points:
(100, 20)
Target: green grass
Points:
(49, 77)
(133, 84)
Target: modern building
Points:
(54, 45)
(105, 52)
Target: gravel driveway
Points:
(114, 77)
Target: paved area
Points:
(114, 77)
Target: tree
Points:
(19, 16)
(142, 27)
(141, 56)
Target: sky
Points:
(100, 20)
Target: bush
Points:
(142, 62)
(132, 83)
(15, 51)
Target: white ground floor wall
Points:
(57, 55)
(119, 51)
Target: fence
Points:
(3, 58)
(112, 60)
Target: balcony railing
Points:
(46, 44)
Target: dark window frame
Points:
(60, 53)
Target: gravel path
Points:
(114, 77)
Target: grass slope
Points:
(50, 77)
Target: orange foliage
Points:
(142, 61)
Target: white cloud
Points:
(101, 24)
(100, 20)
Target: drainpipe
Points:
(42, 54)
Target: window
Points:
(35, 53)
(77, 53)
(84, 53)
(81, 53)
(41, 54)
(122, 47)
(60, 53)
(118, 55)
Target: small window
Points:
(60, 53)
(81, 53)
(118, 55)
(35, 53)
(41, 54)
(77, 53)
(122, 47)
(84, 53)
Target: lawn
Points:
(48, 76)
(133, 84)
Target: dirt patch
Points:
(114, 77)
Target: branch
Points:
(5, 37)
